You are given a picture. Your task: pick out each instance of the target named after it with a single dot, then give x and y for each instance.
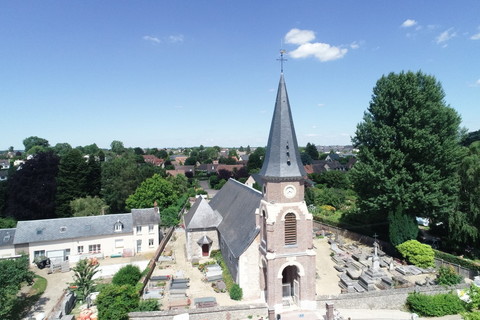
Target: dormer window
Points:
(6, 238)
(39, 231)
(63, 229)
(118, 226)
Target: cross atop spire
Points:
(282, 59)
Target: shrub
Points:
(448, 277)
(417, 253)
(236, 292)
(471, 316)
(115, 302)
(474, 294)
(454, 259)
(129, 274)
(435, 305)
(148, 305)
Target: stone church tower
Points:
(287, 258)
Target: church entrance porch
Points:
(290, 284)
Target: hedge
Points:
(454, 259)
(437, 305)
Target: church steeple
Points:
(282, 158)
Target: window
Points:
(139, 229)
(118, 226)
(39, 231)
(94, 248)
(150, 228)
(38, 253)
(6, 238)
(80, 249)
(119, 243)
(290, 229)
(150, 242)
(63, 229)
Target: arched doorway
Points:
(290, 283)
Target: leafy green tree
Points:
(32, 141)
(180, 183)
(312, 151)
(91, 149)
(71, 182)
(421, 255)
(83, 274)
(471, 137)
(169, 216)
(88, 206)
(61, 149)
(93, 176)
(128, 274)
(31, 189)
(115, 302)
(255, 160)
(402, 227)
(120, 178)
(117, 147)
(37, 149)
(13, 272)
(464, 225)
(248, 149)
(409, 151)
(7, 223)
(138, 151)
(332, 179)
(306, 159)
(154, 189)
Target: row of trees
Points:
(412, 163)
(55, 184)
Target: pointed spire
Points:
(282, 158)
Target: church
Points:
(265, 237)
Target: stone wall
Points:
(238, 312)
(385, 299)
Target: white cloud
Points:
(322, 51)
(475, 36)
(476, 83)
(445, 36)
(151, 39)
(297, 36)
(408, 23)
(176, 38)
(354, 45)
(321, 105)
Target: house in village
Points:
(75, 238)
(265, 237)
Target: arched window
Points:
(264, 226)
(290, 229)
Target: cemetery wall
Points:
(237, 312)
(384, 299)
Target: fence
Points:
(153, 261)
(464, 272)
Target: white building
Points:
(73, 238)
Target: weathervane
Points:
(282, 59)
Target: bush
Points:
(448, 277)
(236, 292)
(435, 305)
(417, 253)
(115, 302)
(148, 305)
(471, 316)
(129, 274)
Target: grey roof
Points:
(6, 237)
(145, 216)
(237, 204)
(282, 158)
(68, 228)
(202, 216)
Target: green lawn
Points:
(26, 301)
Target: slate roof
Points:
(201, 216)
(237, 203)
(282, 158)
(145, 216)
(69, 228)
(6, 237)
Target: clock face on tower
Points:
(289, 191)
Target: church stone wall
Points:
(194, 250)
(249, 271)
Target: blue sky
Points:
(185, 73)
